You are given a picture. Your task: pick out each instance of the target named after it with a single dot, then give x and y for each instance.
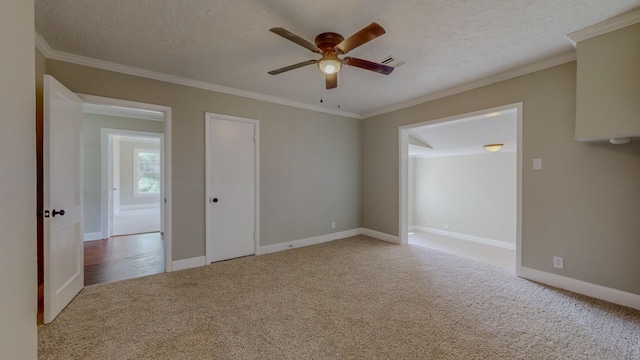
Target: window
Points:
(146, 172)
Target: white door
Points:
(62, 190)
(231, 182)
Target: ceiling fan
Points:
(330, 45)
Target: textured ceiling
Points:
(445, 43)
(466, 136)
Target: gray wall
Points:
(126, 174)
(310, 168)
(17, 181)
(584, 204)
(92, 150)
(472, 194)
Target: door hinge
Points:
(255, 138)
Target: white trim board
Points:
(50, 53)
(509, 74)
(582, 287)
(92, 236)
(380, 235)
(267, 249)
(605, 27)
(188, 263)
(466, 237)
(138, 206)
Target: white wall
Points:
(472, 194)
(18, 279)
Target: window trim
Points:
(136, 169)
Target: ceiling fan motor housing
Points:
(328, 41)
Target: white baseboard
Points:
(92, 236)
(307, 241)
(188, 263)
(380, 235)
(582, 287)
(137, 206)
(338, 235)
(460, 236)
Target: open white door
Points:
(62, 187)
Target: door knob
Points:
(214, 200)
(54, 213)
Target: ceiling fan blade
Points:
(368, 65)
(365, 35)
(291, 67)
(332, 81)
(296, 39)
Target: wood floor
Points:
(123, 257)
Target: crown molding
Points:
(527, 69)
(605, 27)
(49, 53)
(42, 45)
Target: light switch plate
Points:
(537, 164)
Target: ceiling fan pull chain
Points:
(339, 97)
(322, 90)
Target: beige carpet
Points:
(355, 298)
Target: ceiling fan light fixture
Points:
(493, 147)
(330, 64)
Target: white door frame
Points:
(167, 238)
(108, 210)
(209, 192)
(403, 134)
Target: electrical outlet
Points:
(558, 262)
(446, 226)
(333, 224)
(429, 222)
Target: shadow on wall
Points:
(632, 148)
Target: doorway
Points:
(134, 183)
(123, 192)
(57, 101)
(157, 114)
(457, 197)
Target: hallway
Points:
(123, 257)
